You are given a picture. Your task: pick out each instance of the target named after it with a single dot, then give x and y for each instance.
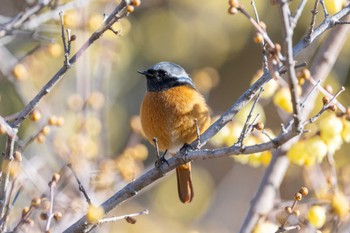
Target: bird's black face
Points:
(165, 75)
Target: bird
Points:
(171, 111)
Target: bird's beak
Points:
(143, 72)
(146, 73)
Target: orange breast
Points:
(169, 116)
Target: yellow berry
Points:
(234, 131)
(55, 50)
(298, 197)
(57, 216)
(43, 216)
(333, 107)
(94, 213)
(333, 6)
(329, 89)
(130, 220)
(316, 148)
(303, 191)
(233, 3)
(232, 10)
(25, 211)
(265, 157)
(45, 204)
(282, 217)
(130, 9)
(46, 130)
(35, 115)
(75, 102)
(346, 130)
(288, 209)
(135, 2)
(96, 100)
(269, 88)
(304, 74)
(28, 221)
(333, 143)
(52, 120)
(330, 125)
(56, 177)
(265, 227)
(297, 153)
(262, 24)
(71, 19)
(2, 130)
(259, 126)
(340, 204)
(325, 100)
(296, 213)
(317, 216)
(282, 99)
(95, 22)
(20, 72)
(60, 121)
(36, 202)
(258, 38)
(40, 138)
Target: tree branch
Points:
(263, 201)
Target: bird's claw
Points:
(160, 161)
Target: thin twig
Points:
(246, 127)
(23, 219)
(6, 162)
(117, 218)
(297, 66)
(324, 107)
(324, 8)
(8, 204)
(255, 11)
(296, 16)
(314, 12)
(4, 125)
(50, 214)
(23, 145)
(66, 52)
(81, 187)
(332, 171)
(257, 27)
(302, 105)
(289, 228)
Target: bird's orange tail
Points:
(184, 182)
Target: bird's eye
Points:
(161, 73)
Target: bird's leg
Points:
(160, 159)
(198, 132)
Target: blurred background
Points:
(97, 104)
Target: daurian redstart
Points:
(168, 113)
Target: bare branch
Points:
(288, 49)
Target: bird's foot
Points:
(161, 160)
(186, 148)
